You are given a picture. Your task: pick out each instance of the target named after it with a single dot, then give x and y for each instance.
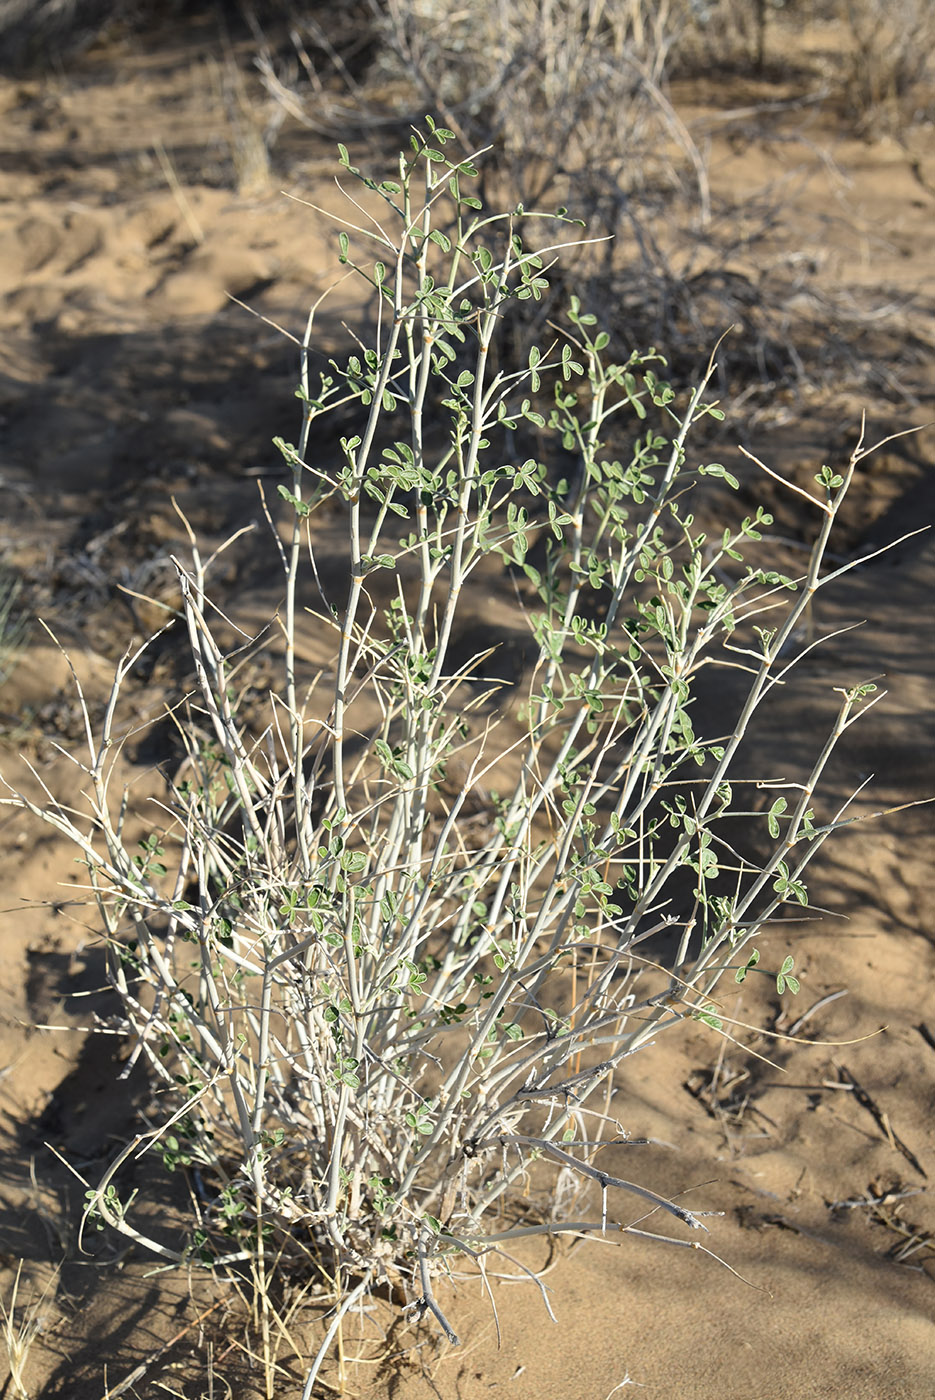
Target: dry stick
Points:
(679, 131)
(150, 1361)
(604, 1179)
(172, 180)
(481, 1262)
(344, 1307)
(881, 1120)
(691, 1244)
(584, 1227)
(926, 1035)
(916, 1239)
(427, 1302)
(822, 1001)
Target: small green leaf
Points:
(383, 751)
(776, 811)
(785, 979)
(752, 961)
(300, 507)
(707, 1015)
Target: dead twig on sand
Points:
(150, 1361)
(881, 1119)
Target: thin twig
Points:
(815, 1007)
(881, 1119)
(156, 1356)
(172, 180)
(604, 1179)
(427, 1301)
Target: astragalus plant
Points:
(386, 948)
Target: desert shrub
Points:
(888, 60)
(572, 101)
(880, 64)
(540, 83)
(36, 33)
(27, 29)
(384, 947)
(731, 35)
(14, 623)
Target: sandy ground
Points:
(127, 377)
